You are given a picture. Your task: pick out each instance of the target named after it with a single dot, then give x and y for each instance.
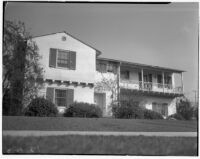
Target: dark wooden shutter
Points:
(50, 94)
(52, 57)
(70, 96)
(72, 60)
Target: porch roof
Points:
(141, 65)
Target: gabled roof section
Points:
(97, 51)
(141, 65)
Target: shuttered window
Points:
(62, 59)
(60, 97)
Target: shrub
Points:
(175, 116)
(127, 109)
(6, 103)
(184, 109)
(41, 107)
(196, 113)
(80, 109)
(149, 114)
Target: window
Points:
(110, 68)
(101, 67)
(146, 77)
(104, 67)
(159, 78)
(62, 59)
(168, 80)
(60, 97)
(140, 76)
(125, 75)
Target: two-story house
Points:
(155, 88)
(74, 71)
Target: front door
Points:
(99, 99)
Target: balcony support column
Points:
(182, 82)
(118, 82)
(173, 81)
(142, 78)
(163, 81)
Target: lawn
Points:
(96, 124)
(140, 145)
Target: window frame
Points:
(69, 52)
(60, 97)
(66, 51)
(125, 74)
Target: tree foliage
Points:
(21, 69)
(184, 108)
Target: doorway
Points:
(100, 100)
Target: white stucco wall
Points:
(85, 58)
(81, 94)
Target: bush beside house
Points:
(184, 109)
(41, 107)
(127, 109)
(80, 109)
(149, 114)
(131, 109)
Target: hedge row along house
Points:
(75, 71)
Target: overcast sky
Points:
(159, 34)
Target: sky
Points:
(163, 35)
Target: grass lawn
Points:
(96, 124)
(72, 144)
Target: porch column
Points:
(118, 82)
(173, 81)
(163, 81)
(182, 82)
(142, 78)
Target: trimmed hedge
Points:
(41, 107)
(80, 109)
(149, 114)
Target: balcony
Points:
(150, 87)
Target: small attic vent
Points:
(64, 38)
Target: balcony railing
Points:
(150, 86)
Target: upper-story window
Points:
(62, 59)
(159, 78)
(146, 77)
(125, 75)
(104, 67)
(168, 79)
